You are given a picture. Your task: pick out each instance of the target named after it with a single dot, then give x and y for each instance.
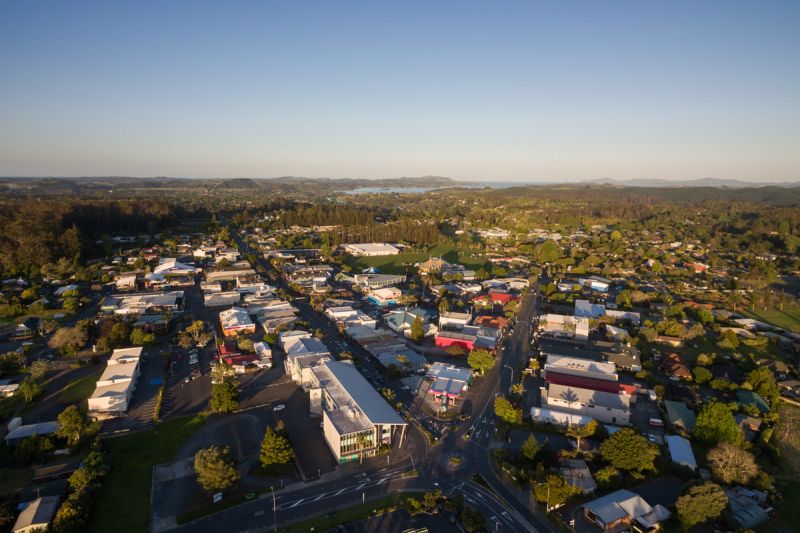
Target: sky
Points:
(566, 90)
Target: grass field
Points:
(400, 263)
(79, 390)
(123, 503)
(788, 318)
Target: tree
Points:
(702, 375)
(506, 411)
(472, 520)
(417, 329)
(430, 499)
(762, 381)
(71, 305)
(530, 448)
(140, 338)
(581, 432)
(731, 464)
(197, 331)
(30, 389)
(71, 425)
(554, 491)
(715, 424)
(224, 397)
(729, 340)
(481, 360)
(68, 341)
(629, 450)
(700, 504)
(215, 469)
(275, 449)
(39, 368)
(455, 350)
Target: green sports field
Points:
(788, 319)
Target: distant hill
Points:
(702, 182)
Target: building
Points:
(680, 451)
(378, 281)
(449, 382)
(169, 267)
(679, 415)
(221, 299)
(587, 309)
(356, 420)
(454, 321)
(401, 321)
(115, 386)
(747, 397)
(623, 510)
(584, 368)
(385, 297)
(748, 507)
(595, 283)
(37, 515)
(565, 326)
(371, 249)
(605, 407)
(469, 338)
(303, 352)
(144, 303)
(228, 273)
(18, 432)
(576, 472)
(235, 321)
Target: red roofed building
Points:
(494, 298)
(499, 322)
(445, 339)
(602, 385)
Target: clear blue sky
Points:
(473, 90)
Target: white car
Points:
(279, 407)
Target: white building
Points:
(605, 407)
(356, 420)
(454, 321)
(116, 384)
(37, 515)
(371, 249)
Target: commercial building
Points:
(303, 352)
(145, 303)
(385, 297)
(454, 321)
(449, 382)
(235, 321)
(378, 281)
(371, 249)
(116, 384)
(356, 420)
(605, 407)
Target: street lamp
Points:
(547, 504)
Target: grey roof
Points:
(23, 432)
(680, 450)
(619, 504)
(363, 394)
(37, 512)
(679, 414)
(588, 396)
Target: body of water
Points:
(468, 185)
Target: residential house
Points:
(679, 415)
(401, 321)
(624, 510)
(37, 515)
(680, 451)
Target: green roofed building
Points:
(747, 397)
(679, 415)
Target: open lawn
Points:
(124, 501)
(788, 319)
(787, 439)
(400, 263)
(80, 389)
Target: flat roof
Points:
(363, 394)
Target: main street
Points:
(417, 467)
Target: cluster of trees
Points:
(195, 334)
(33, 385)
(74, 513)
(224, 389)
(506, 411)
